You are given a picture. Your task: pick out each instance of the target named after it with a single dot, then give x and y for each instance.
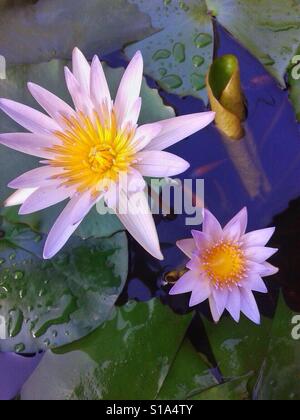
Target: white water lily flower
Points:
(226, 266)
(88, 150)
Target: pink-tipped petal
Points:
(45, 197)
(144, 134)
(213, 309)
(268, 269)
(18, 197)
(194, 264)
(201, 239)
(234, 304)
(29, 118)
(200, 293)
(31, 144)
(211, 227)
(258, 237)
(187, 246)
(133, 115)
(51, 103)
(81, 101)
(130, 87)
(259, 254)
(160, 164)
(135, 214)
(185, 284)
(81, 70)
(237, 226)
(178, 128)
(35, 178)
(221, 299)
(100, 93)
(249, 306)
(254, 282)
(66, 224)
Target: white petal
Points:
(45, 197)
(35, 178)
(254, 282)
(18, 197)
(234, 304)
(133, 115)
(259, 253)
(178, 128)
(81, 101)
(185, 284)
(201, 240)
(237, 226)
(220, 297)
(249, 306)
(135, 214)
(31, 144)
(160, 164)
(81, 70)
(268, 269)
(187, 246)
(258, 237)
(144, 134)
(200, 293)
(29, 118)
(67, 223)
(51, 103)
(213, 309)
(130, 87)
(211, 227)
(100, 93)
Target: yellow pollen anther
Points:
(225, 264)
(91, 153)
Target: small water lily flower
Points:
(226, 266)
(88, 151)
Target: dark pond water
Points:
(262, 172)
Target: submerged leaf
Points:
(225, 96)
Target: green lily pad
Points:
(179, 54)
(129, 357)
(45, 304)
(235, 390)
(51, 76)
(280, 373)
(188, 375)
(231, 342)
(36, 31)
(269, 29)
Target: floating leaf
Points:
(225, 96)
(184, 41)
(231, 342)
(12, 163)
(235, 390)
(33, 33)
(294, 83)
(188, 375)
(44, 304)
(279, 376)
(137, 347)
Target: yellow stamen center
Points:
(225, 264)
(91, 153)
